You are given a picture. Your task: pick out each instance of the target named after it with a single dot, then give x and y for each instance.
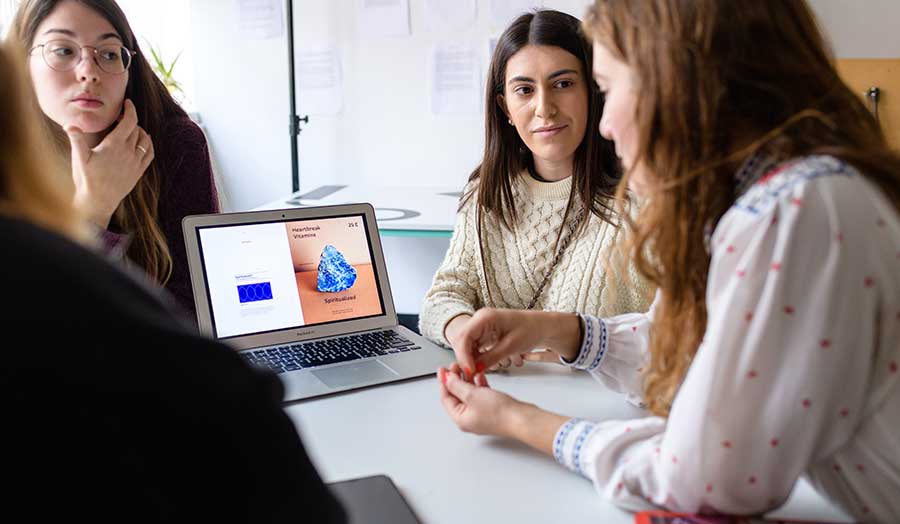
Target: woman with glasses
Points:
(120, 447)
(138, 163)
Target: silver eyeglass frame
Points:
(81, 48)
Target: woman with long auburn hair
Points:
(536, 221)
(138, 163)
(771, 226)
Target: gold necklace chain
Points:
(563, 244)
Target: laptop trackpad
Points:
(355, 373)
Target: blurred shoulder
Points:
(181, 131)
(784, 180)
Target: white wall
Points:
(385, 133)
(166, 25)
(7, 10)
(861, 28)
(241, 95)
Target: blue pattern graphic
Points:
(254, 292)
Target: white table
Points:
(448, 476)
(400, 211)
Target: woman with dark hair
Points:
(536, 224)
(772, 228)
(138, 163)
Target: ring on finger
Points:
(142, 149)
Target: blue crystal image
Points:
(335, 274)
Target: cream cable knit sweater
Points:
(516, 263)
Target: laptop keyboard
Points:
(291, 357)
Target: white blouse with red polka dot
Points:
(797, 373)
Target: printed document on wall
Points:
(450, 15)
(260, 19)
(384, 17)
(455, 79)
(320, 81)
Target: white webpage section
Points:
(250, 277)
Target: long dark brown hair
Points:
(596, 171)
(717, 82)
(138, 212)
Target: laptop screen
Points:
(271, 276)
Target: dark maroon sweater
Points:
(187, 188)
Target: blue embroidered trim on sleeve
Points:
(603, 336)
(760, 197)
(587, 344)
(579, 444)
(561, 439)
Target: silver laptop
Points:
(304, 292)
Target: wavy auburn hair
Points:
(718, 81)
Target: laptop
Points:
(305, 293)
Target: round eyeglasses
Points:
(65, 55)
